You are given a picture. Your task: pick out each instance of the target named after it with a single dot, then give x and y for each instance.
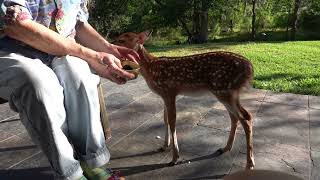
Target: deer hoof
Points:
(220, 151)
(250, 166)
(163, 149)
(172, 163)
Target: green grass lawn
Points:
(292, 67)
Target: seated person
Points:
(48, 53)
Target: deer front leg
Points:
(170, 104)
(247, 126)
(167, 136)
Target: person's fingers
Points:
(106, 72)
(132, 58)
(116, 70)
(116, 53)
(131, 54)
(125, 52)
(118, 63)
(134, 54)
(116, 79)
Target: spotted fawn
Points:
(222, 73)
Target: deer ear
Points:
(144, 36)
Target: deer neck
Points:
(145, 69)
(146, 60)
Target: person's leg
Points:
(82, 109)
(34, 91)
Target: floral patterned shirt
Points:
(58, 15)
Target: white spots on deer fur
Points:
(153, 73)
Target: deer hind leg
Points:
(167, 135)
(238, 113)
(170, 104)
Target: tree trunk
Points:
(245, 8)
(295, 19)
(288, 25)
(200, 21)
(253, 28)
(196, 17)
(204, 21)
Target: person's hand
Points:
(123, 53)
(110, 67)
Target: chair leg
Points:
(104, 114)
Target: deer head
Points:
(135, 41)
(132, 40)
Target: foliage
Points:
(310, 19)
(225, 17)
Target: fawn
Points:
(222, 73)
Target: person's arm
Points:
(89, 37)
(49, 41)
(46, 40)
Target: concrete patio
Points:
(286, 136)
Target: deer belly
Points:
(196, 93)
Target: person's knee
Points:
(73, 71)
(33, 84)
(40, 79)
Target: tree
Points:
(297, 4)
(200, 21)
(105, 18)
(253, 24)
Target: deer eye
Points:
(121, 41)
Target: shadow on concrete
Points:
(27, 174)
(204, 177)
(18, 148)
(126, 171)
(136, 155)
